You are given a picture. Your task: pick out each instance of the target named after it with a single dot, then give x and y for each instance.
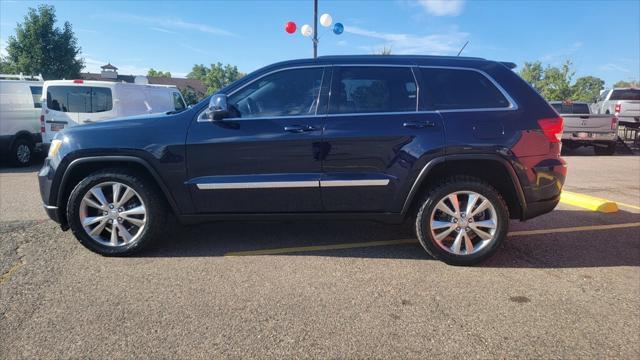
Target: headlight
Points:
(55, 147)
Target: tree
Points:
(556, 82)
(157, 73)
(215, 77)
(532, 73)
(623, 84)
(384, 51)
(39, 47)
(586, 88)
(190, 95)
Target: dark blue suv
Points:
(456, 146)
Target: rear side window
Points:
(79, 99)
(36, 93)
(373, 89)
(627, 94)
(452, 89)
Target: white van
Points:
(20, 102)
(69, 103)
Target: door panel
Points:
(376, 139)
(267, 158)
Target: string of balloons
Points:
(307, 30)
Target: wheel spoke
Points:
(441, 224)
(453, 198)
(484, 205)
(471, 203)
(116, 192)
(124, 233)
(99, 195)
(134, 221)
(138, 210)
(483, 234)
(94, 204)
(444, 234)
(92, 220)
(455, 248)
(114, 234)
(98, 229)
(128, 194)
(445, 209)
(468, 245)
(490, 224)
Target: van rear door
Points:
(98, 104)
(60, 109)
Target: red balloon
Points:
(290, 27)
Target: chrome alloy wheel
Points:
(463, 223)
(113, 214)
(23, 153)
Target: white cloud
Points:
(564, 53)
(194, 49)
(166, 23)
(614, 67)
(442, 7)
(436, 44)
(162, 30)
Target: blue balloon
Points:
(338, 28)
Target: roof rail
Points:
(21, 77)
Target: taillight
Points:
(614, 123)
(42, 124)
(617, 108)
(78, 81)
(552, 128)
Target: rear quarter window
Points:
(454, 89)
(36, 94)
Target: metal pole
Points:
(315, 29)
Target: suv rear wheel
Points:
(115, 212)
(462, 221)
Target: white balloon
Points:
(326, 20)
(306, 30)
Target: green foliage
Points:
(158, 73)
(554, 83)
(39, 47)
(625, 84)
(586, 88)
(190, 95)
(215, 77)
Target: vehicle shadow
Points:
(6, 168)
(595, 248)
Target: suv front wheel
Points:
(115, 212)
(462, 221)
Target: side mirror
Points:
(218, 106)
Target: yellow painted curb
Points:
(588, 202)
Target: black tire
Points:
(155, 206)
(431, 200)
(22, 152)
(610, 149)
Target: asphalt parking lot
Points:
(565, 285)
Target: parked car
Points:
(621, 102)
(581, 128)
(68, 103)
(457, 146)
(19, 109)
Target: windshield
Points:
(626, 94)
(571, 108)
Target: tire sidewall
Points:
(423, 222)
(154, 214)
(14, 152)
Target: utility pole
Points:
(315, 29)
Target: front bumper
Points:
(45, 180)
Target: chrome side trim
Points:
(341, 183)
(49, 207)
(260, 185)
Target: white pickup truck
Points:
(581, 128)
(621, 102)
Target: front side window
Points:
(79, 99)
(36, 93)
(292, 92)
(453, 89)
(178, 103)
(373, 89)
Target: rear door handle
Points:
(299, 128)
(419, 124)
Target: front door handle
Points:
(299, 128)
(419, 124)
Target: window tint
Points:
(446, 89)
(285, 93)
(571, 108)
(627, 94)
(178, 103)
(369, 89)
(36, 93)
(82, 99)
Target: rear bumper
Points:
(589, 136)
(539, 208)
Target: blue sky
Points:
(602, 38)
